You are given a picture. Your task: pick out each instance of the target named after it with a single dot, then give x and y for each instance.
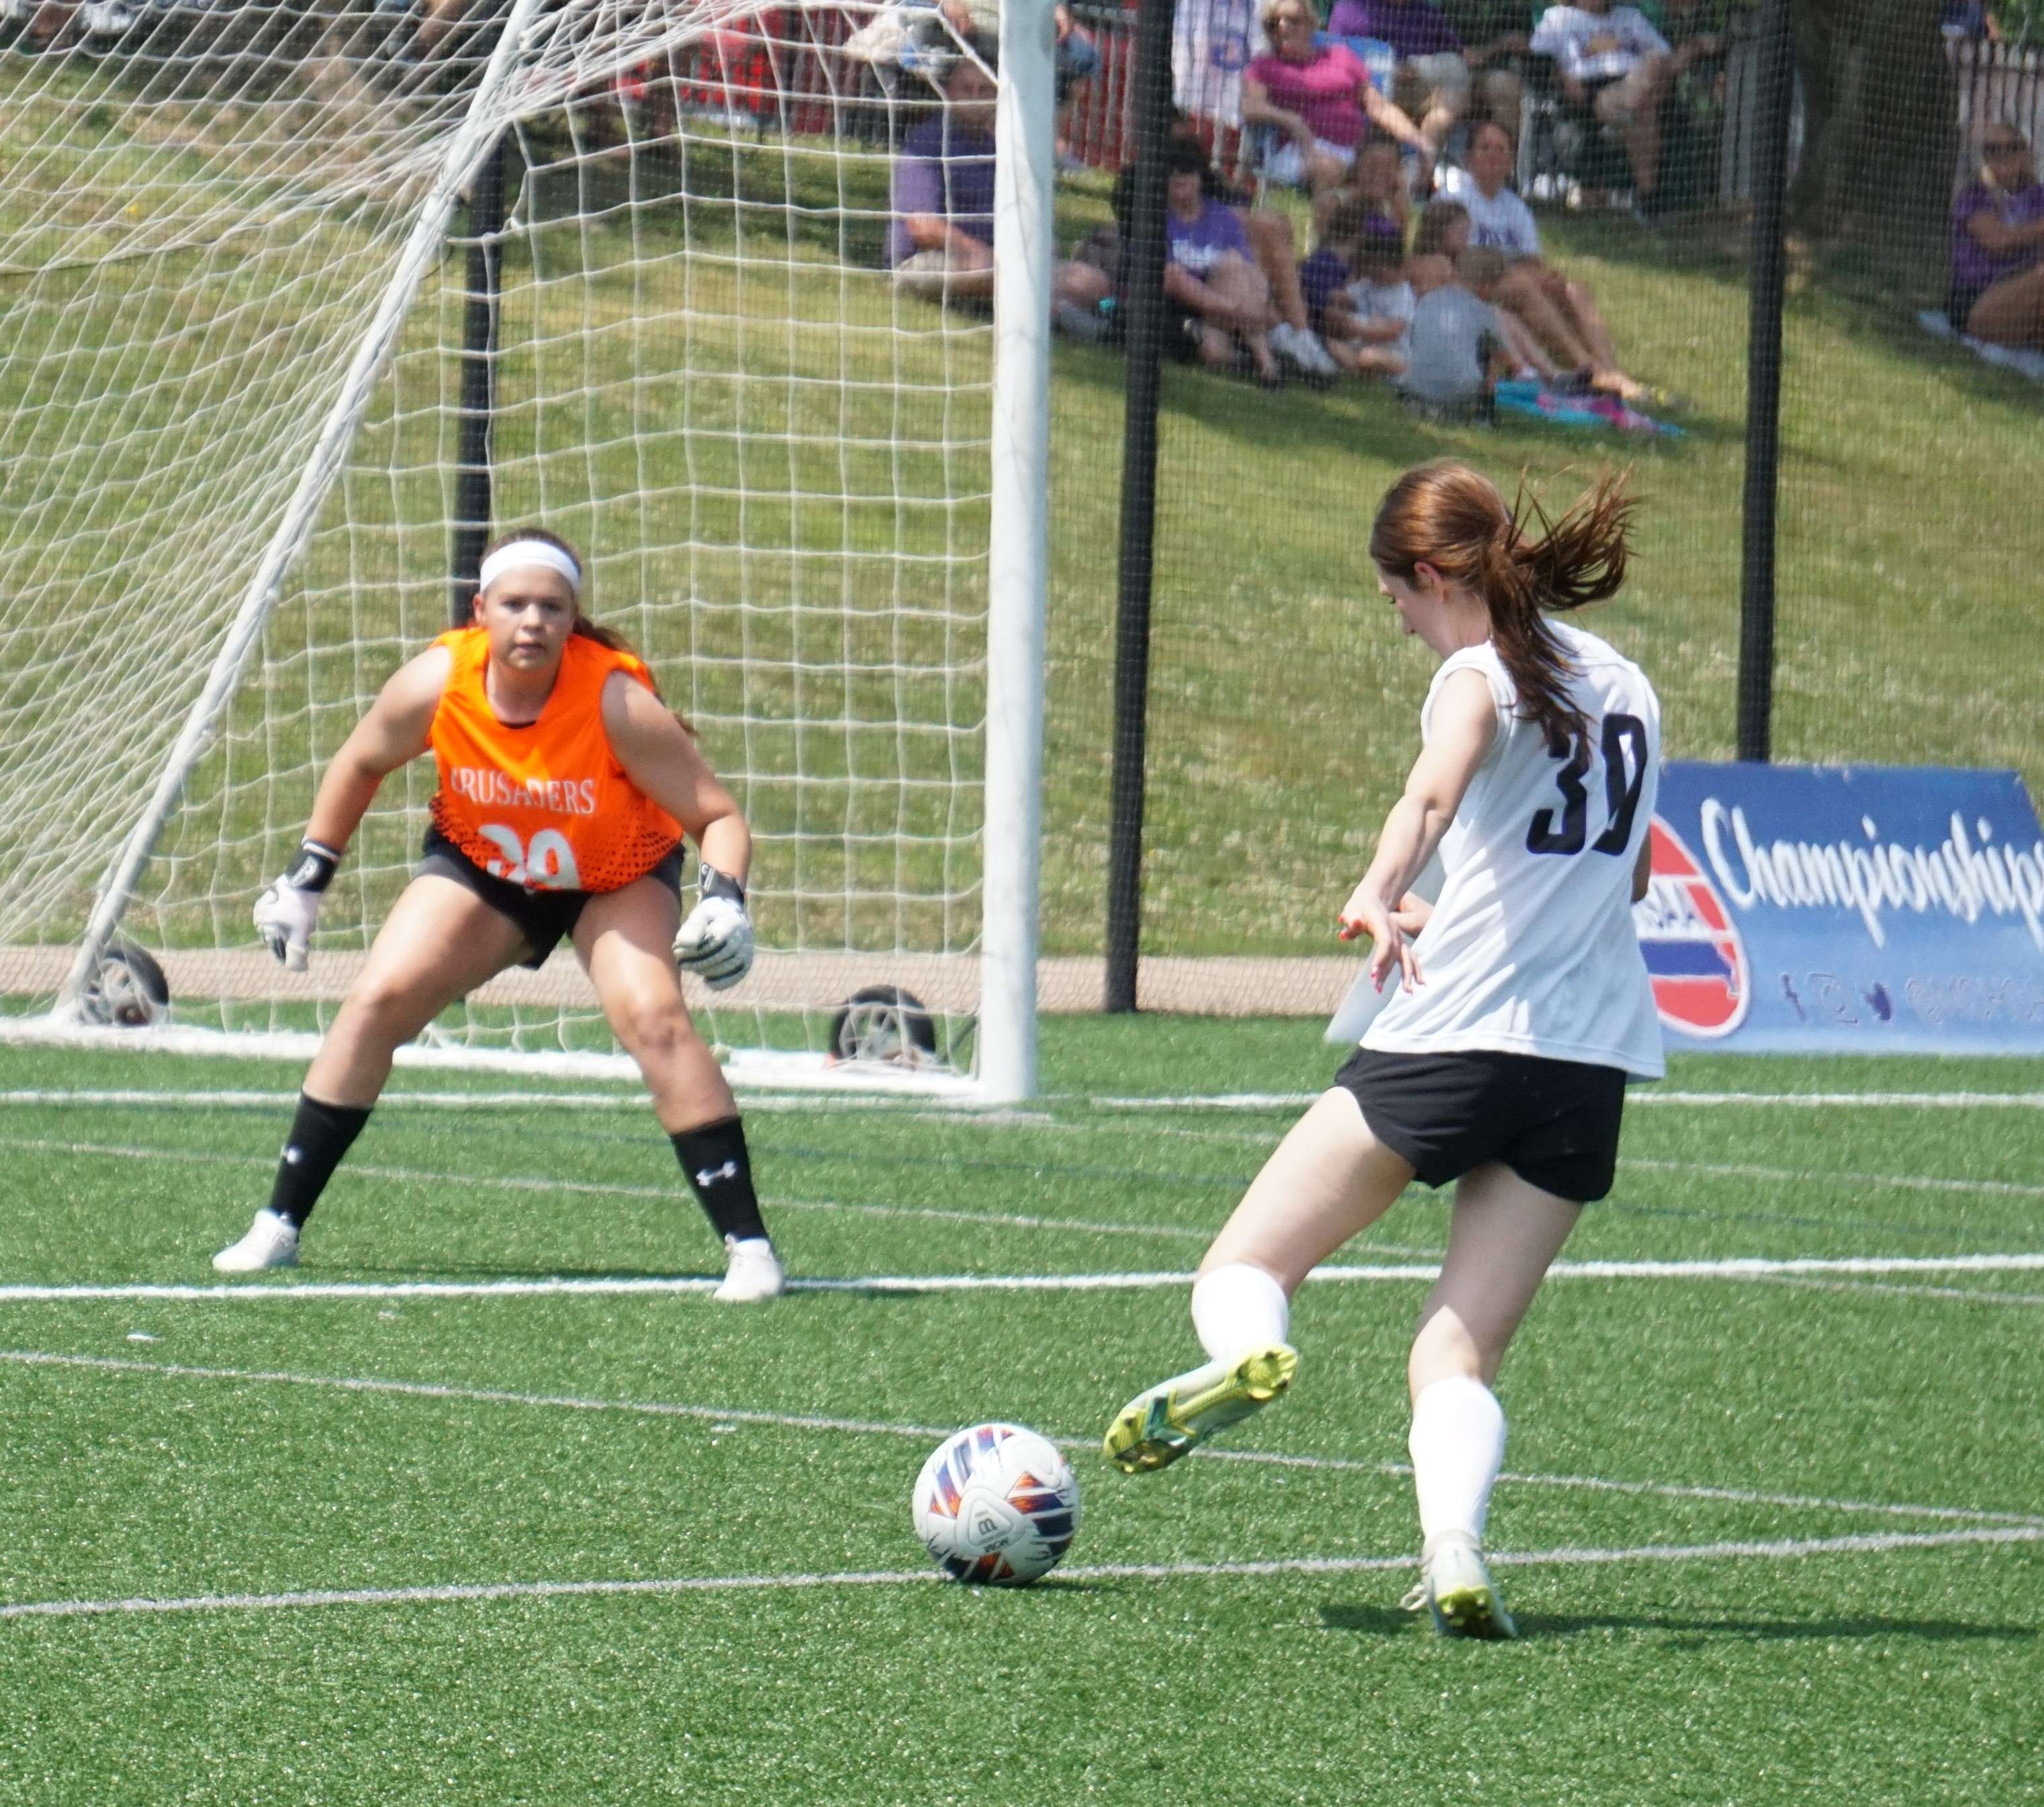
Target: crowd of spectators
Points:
(1426, 270)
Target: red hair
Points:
(1454, 519)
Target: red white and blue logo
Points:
(1702, 983)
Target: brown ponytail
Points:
(1448, 516)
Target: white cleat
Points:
(272, 1241)
(753, 1273)
(1456, 1589)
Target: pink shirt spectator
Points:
(1322, 92)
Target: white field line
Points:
(827, 1102)
(528, 1183)
(1000, 1117)
(504, 1101)
(1904, 1182)
(1731, 1268)
(660, 1194)
(1737, 1267)
(1825, 1101)
(1972, 1295)
(1723, 1170)
(1777, 1550)
(812, 1421)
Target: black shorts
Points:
(543, 917)
(1554, 1123)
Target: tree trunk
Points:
(1879, 148)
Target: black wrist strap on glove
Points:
(313, 868)
(713, 883)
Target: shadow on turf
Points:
(1387, 1621)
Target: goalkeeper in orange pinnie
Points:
(566, 786)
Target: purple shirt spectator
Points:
(1413, 28)
(946, 169)
(1322, 92)
(1321, 277)
(1974, 267)
(1197, 245)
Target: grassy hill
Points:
(774, 433)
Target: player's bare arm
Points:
(395, 730)
(1642, 867)
(659, 756)
(1464, 723)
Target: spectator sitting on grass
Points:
(1211, 272)
(1444, 236)
(1377, 179)
(1457, 349)
(1293, 335)
(1997, 291)
(1616, 65)
(1381, 298)
(1562, 314)
(1365, 305)
(1461, 342)
(1436, 81)
(1321, 97)
(940, 245)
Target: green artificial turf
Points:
(508, 1440)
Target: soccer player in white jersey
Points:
(1519, 1005)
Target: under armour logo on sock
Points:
(294, 1156)
(709, 1176)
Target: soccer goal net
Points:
(304, 300)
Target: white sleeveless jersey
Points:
(1531, 948)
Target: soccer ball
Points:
(996, 1506)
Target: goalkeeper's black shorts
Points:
(1554, 1123)
(544, 917)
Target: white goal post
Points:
(229, 435)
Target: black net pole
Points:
(1144, 278)
(472, 502)
(1763, 384)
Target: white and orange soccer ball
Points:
(996, 1506)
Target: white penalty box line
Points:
(728, 1418)
(1734, 1268)
(1776, 1550)
(1642, 1095)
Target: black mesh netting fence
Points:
(1589, 172)
(1327, 170)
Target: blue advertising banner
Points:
(1845, 909)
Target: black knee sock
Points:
(320, 1134)
(713, 1156)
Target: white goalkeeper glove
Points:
(286, 913)
(716, 942)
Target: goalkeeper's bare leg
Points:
(625, 940)
(1329, 1179)
(440, 942)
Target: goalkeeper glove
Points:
(716, 942)
(287, 911)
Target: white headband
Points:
(517, 553)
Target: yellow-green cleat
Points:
(1157, 1427)
(1456, 1587)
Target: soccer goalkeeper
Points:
(566, 787)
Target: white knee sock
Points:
(1458, 1446)
(1238, 1308)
